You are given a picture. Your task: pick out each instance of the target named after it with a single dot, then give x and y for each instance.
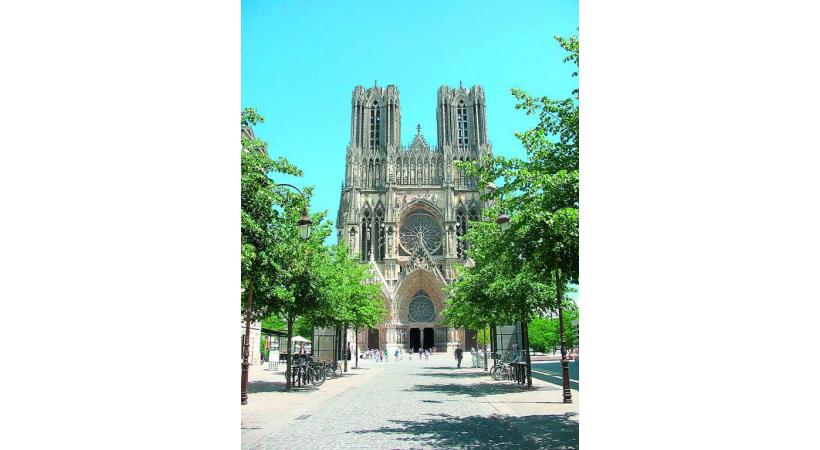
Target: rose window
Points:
(421, 309)
(420, 228)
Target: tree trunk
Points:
(344, 344)
(526, 338)
(357, 347)
(337, 343)
(493, 348)
(485, 349)
(559, 291)
(289, 374)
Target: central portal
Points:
(421, 340)
(428, 339)
(415, 339)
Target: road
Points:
(550, 371)
(427, 404)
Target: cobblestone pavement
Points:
(429, 404)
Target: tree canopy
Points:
(294, 279)
(540, 193)
(350, 297)
(512, 274)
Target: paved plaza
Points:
(408, 404)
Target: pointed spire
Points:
(418, 129)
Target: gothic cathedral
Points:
(402, 210)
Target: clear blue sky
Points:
(301, 61)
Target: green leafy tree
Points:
(543, 331)
(274, 322)
(278, 268)
(520, 273)
(351, 299)
(261, 206)
(498, 287)
(482, 336)
(543, 334)
(298, 288)
(303, 327)
(541, 192)
(570, 314)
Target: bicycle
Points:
(330, 369)
(307, 372)
(503, 370)
(335, 369)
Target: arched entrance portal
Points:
(428, 338)
(372, 338)
(421, 338)
(415, 339)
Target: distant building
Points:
(254, 355)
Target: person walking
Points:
(459, 354)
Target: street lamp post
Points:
(304, 233)
(559, 294)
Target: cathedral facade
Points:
(403, 208)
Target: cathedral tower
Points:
(461, 119)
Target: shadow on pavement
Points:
(445, 431)
(472, 390)
(275, 386)
(456, 375)
(265, 386)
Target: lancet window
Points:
(461, 120)
(367, 234)
(375, 125)
(461, 229)
(380, 234)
